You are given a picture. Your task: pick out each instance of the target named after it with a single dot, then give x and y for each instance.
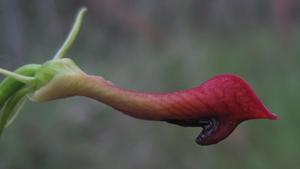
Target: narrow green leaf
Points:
(16, 76)
(12, 106)
(72, 35)
(16, 111)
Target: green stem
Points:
(72, 35)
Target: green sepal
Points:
(9, 85)
(53, 68)
(56, 79)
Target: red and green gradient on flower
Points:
(217, 105)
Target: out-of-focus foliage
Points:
(157, 45)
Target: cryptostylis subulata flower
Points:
(218, 105)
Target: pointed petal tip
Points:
(272, 116)
(269, 115)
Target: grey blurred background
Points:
(154, 45)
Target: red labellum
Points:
(228, 100)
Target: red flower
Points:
(218, 105)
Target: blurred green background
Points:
(157, 45)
